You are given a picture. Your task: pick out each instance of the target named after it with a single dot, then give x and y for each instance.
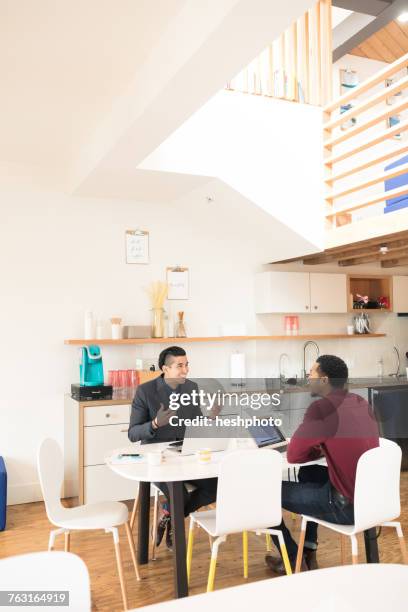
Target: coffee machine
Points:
(91, 385)
(91, 366)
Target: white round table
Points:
(174, 470)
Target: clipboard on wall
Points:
(178, 283)
(137, 246)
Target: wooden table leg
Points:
(179, 538)
(371, 546)
(143, 523)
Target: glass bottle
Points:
(180, 330)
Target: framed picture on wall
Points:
(178, 283)
(137, 247)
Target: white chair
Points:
(376, 498)
(48, 571)
(104, 515)
(248, 499)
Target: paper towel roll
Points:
(237, 365)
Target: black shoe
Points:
(310, 557)
(169, 536)
(275, 564)
(161, 528)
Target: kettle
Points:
(90, 366)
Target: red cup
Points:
(133, 378)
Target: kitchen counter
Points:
(258, 385)
(385, 382)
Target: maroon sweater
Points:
(341, 427)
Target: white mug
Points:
(155, 458)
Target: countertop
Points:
(274, 386)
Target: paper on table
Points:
(115, 459)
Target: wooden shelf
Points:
(370, 310)
(130, 341)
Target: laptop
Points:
(193, 442)
(269, 436)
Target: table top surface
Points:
(348, 588)
(175, 467)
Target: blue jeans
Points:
(312, 495)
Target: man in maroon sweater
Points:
(339, 426)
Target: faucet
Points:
(281, 375)
(397, 374)
(306, 344)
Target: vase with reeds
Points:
(158, 293)
(180, 330)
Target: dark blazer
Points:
(145, 406)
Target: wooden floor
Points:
(28, 529)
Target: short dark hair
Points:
(170, 351)
(334, 368)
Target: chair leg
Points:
(132, 549)
(115, 534)
(343, 549)
(213, 564)
(403, 548)
(154, 526)
(53, 534)
(190, 548)
(268, 540)
(134, 511)
(284, 553)
(245, 552)
(301, 545)
(354, 549)
(401, 539)
(67, 541)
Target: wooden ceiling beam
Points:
(400, 245)
(319, 259)
(398, 240)
(393, 263)
(355, 261)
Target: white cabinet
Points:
(400, 293)
(102, 484)
(100, 441)
(328, 293)
(300, 292)
(282, 292)
(104, 429)
(92, 431)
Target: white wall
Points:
(268, 150)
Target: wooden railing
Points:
(298, 65)
(356, 145)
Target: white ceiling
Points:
(62, 64)
(339, 15)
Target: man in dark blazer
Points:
(149, 422)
